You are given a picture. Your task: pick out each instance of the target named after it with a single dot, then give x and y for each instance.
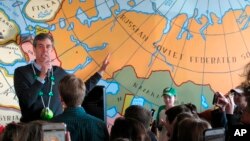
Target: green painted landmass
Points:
(151, 89)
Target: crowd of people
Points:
(47, 95)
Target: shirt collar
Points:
(36, 65)
(75, 109)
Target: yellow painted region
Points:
(41, 30)
(10, 107)
(127, 101)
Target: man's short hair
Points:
(42, 36)
(72, 90)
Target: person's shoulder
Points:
(94, 119)
(59, 118)
(23, 68)
(58, 68)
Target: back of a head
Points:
(139, 113)
(177, 120)
(11, 131)
(117, 131)
(192, 108)
(174, 111)
(72, 90)
(191, 129)
(31, 131)
(130, 129)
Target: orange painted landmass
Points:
(131, 40)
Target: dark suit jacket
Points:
(27, 89)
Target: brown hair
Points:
(139, 113)
(177, 121)
(72, 90)
(11, 131)
(191, 129)
(42, 36)
(31, 131)
(131, 129)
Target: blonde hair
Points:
(72, 90)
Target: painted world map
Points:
(195, 46)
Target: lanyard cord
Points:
(52, 78)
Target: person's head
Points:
(131, 129)
(139, 113)
(171, 114)
(11, 131)
(174, 133)
(192, 108)
(191, 129)
(239, 96)
(169, 96)
(72, 90)
(42, 45)
(32, 131)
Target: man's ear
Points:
(34, 51)
(63, 104)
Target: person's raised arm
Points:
(104, 65)
(93, 80)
